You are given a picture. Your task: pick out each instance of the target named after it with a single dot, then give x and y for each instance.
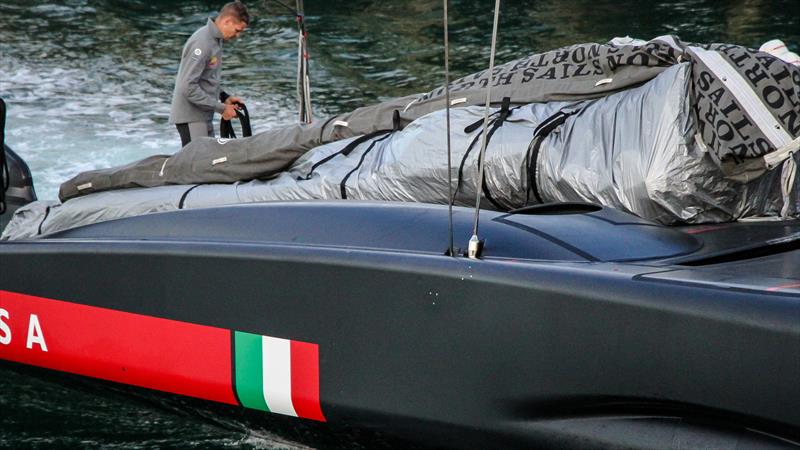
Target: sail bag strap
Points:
(539, 135)
(396, 126)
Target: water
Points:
(88, 85)
(40, 409)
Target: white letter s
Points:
(5, 338)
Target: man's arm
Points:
(195, 63)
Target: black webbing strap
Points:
(395, 127)
(185, 194)
(343, 184)
(488, 194)
(345, 151)
(46, 213)
(226, 127)
(474, 125)
(539, 135)
(322, 128)
(503, 114)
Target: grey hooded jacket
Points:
(196, 93)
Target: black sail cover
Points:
(741, 116)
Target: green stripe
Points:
(249, 376)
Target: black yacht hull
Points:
(461, 352)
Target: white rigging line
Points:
(475, 244)
(451, 250)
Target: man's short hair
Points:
(237, 10)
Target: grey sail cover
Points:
(637, 150)
(746, 105)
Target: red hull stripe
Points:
(161, 354)
(305, 380)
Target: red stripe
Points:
(305, 380)
(161, 354)
(784, 286)
(705, 229)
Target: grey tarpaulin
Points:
(745, 102)
(635, 150)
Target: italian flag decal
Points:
(261, 372)
(277, 375)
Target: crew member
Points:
(197, 93)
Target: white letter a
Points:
(35, 335)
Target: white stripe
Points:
(409, 105)
(277, 365)
(744, 94)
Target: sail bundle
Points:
(673, 132)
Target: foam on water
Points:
(81, 135)
(81, 98)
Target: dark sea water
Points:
(88, 85)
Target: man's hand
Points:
(230, 100)
(230, 111)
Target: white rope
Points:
(449, 157)
(474, 242)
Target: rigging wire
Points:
(303, 82)
(5, 174)
(294, 11)
(303, 78)
(450, 248)
(475, 244)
